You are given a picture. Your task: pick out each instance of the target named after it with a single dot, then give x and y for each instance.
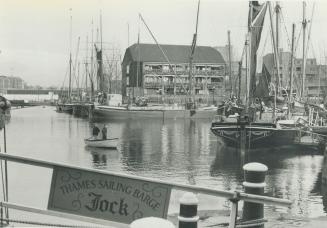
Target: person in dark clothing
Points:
(104, 132)
(95, 131)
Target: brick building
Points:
(315, 80)
(145, 72)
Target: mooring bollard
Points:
(151, 222)
(188, 211)
(254, 175)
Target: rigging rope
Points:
(309, 33)
(297, 80)
(287, 36)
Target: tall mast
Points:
(101, 30)
(276, 60)
(277, 10)
(138, 58)
(78, 80)
(101, 60)
(92, 67)
(86, 63)
(247, 70)
(240, 63)
(230, 62)
(70, 57)
(304, 25)
(192, 92)
(248, 79)
(290, 96)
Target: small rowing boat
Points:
(103, 143)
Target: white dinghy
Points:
(103, 143)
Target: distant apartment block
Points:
(145, 70)
(233, 82)
(7, 82)
(315, 74)
(33, 95)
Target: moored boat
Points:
(164, 112)
(258, 135)
(103, 143)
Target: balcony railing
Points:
(185, 72)
(158, 85)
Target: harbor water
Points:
(178, 151)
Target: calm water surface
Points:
(177, 151)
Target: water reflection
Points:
(227, 165)
(102, 157)
(175, 150)
(320, 187)
(324, 183)
(185, 151)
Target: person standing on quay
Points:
(104, 132)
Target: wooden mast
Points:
(276, 62)
(248, 59)
(138, 59)
(290, 96)
(92, 67)
(278, 58)
(70, 58)
(304, 25)
(101, 56)
(86, 63)
(230, 62)
(191, 84)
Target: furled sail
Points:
(255, 23)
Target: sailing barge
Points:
(245, 132)
(257, 135)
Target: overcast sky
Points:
(34, 34)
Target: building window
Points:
(127, 69)
(165, 68)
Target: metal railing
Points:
(231, 195)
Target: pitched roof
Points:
(175, 53)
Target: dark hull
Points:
(257, 135)
(67, 108)
(322, 130)
(77, 109)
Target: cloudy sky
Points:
(34, 34)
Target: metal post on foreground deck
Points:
(242, 123)
(254, 175)
(234, 209)
(188, 211)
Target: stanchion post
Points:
(234, 210)
(254, 175)
(188, 211)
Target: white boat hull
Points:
(152, 112)
(108, 143)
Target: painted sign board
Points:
(105, 196)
